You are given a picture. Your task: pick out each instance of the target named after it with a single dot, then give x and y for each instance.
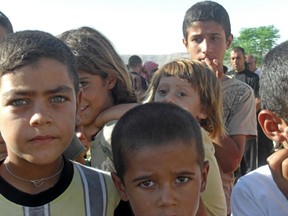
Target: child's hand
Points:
(81, 136)
(278, 163)
(215, 67)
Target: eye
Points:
(58, 99)
(196, 39)
(182, 179)
(19, 102)
(161, 92)
(147, 184)
(182, 94)
(82, 84)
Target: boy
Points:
(264, 191)
(39, 104)
(158, 156)
(206, 36)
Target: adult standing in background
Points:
(139, 83)
(240, 72)
(251, 64)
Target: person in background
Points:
(252, 65)
(138, 76)
(144, 142)
(40, 101)
(206, 36)
(264, 191)
(241, 72)
(149, 67)
(5, 25)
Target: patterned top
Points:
(80, 191)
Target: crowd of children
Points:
(170, 150)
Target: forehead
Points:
(236, 53)
(205, 28)
(44, 74)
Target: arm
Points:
(258, 104)
(113, 113)
(229, 151)
(278, 164)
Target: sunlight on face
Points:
(179, 91)
(157, 185)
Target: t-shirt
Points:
(239, 118)
(248, 77)
(80, 191)
(257, 194)
(213, 197)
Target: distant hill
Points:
(159, 59)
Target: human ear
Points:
(229, 41)
(119, 186)
(205, 171)
(185, 43)
(270, 123)
(111, 81)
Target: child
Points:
(105, 82)
(159, 160)
(206, 36)
(192, 86)
(39, 102)
(264, 191)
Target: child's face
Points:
(37, 111)
(96, 97)
(179, 91)
(206, 39)
(164, 180)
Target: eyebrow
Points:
(28, 92)
(182, 173)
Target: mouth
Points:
(42, 139)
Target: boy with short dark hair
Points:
(39, 103)
(159, 160)
(264, 191)
(207, 35)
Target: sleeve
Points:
(243, 119)
(74, 149)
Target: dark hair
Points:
(153, 125)
(96, 55)
(5, 22)
(207, 11)
(27, 47)
(274, 81)
(238, 49)
(134, 61)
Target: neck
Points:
(31, 179)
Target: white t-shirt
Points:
(257, 194)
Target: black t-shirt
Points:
(248, 77)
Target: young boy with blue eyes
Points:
(159, 160)
(39, 104)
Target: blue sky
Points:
(139, 26)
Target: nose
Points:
(205, 47)
(168, 196)
(40, 115)
(169, 98)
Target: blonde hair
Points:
(204, 82)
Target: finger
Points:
(275, 162)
